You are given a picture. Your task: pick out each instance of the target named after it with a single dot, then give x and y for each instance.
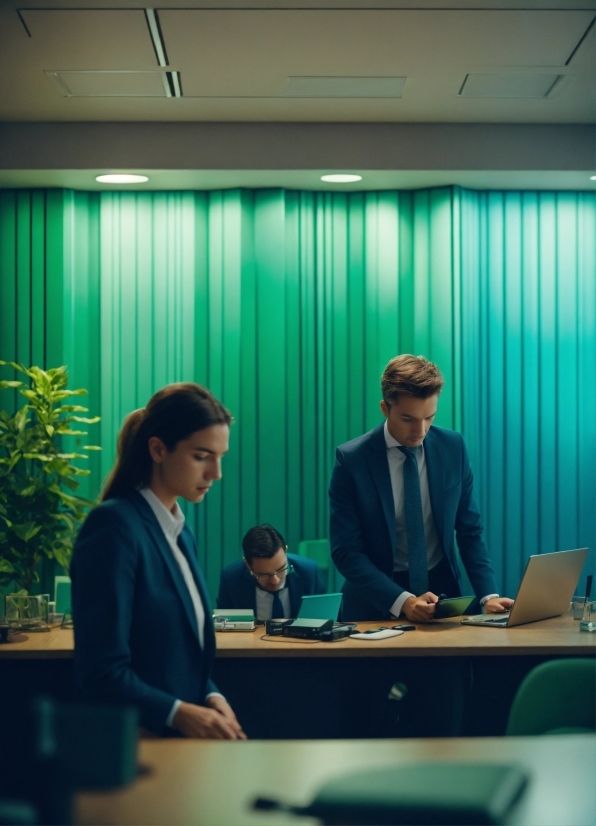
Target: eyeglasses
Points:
(280, 573)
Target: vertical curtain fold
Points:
(288, 305)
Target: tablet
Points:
(452, 607)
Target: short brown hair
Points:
(263, 541)
(410, 376)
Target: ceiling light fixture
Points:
(341, 179)
(593, 177)
(121, 179)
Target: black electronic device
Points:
(338, 632)
(307, 629)
(403, 627)
(275, 627)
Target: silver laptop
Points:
(546, 589)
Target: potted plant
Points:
(39, 507)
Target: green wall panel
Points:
(287, 305)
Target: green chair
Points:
(62, 594)
(557, 697)
(318, 550)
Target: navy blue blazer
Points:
(237, 586)
(136, 635)
(363, 534)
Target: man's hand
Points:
(420, 609)
(206, 723)
(497, 605)
(221, 705)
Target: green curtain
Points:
(288, 305)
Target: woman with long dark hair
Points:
(142, 618)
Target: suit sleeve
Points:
(103, 591)
(347, 542)
(470, 535)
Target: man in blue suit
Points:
(397, 496)
(268, 579)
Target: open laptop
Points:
(320, 606)
(546, 589)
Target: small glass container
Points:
(27, 613)
(577, 606)
(588, 620)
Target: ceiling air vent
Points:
(344, 87)
(117, 84)
(508, 86)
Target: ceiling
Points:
(364, 64)
(299, 64)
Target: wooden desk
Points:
(213, 784)
(554, 637)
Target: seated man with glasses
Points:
(269, 580)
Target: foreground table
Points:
(213, 784)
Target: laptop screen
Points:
(320, 606)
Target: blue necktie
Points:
(417, 560)
(277, 609)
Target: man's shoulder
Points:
(234, 570)
(360, 443)
(302, 563)
(443, 437)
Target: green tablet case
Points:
(454, 607)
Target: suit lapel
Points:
(160, 541)
(435, 472)
(379, 469)
(189, 550)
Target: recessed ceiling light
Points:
(341, 179)
(121, 179)
(593, 177)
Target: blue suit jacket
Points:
(363, 535)
(136, 636)
(237, 586)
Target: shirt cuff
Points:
(172, 714)
(484, 599)
(215, 694)
(397, 606)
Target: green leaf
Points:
(26, 531)
(6, 384)
(30, 394)
(28, 491)
(6, 567)
(84, 420)
(91, 447)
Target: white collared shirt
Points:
(434, 551)
(171, 524)
(264, 602)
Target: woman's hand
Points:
(206, 723)
(220, 704)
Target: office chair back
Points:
(319, 550)
(556, 697)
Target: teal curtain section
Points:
(527, 274)
(288, 305)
